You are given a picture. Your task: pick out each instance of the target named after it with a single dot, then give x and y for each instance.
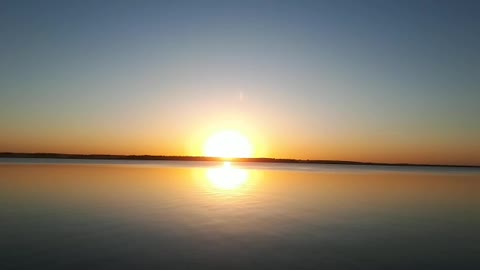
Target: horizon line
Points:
(209, 158)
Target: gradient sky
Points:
(387, 81)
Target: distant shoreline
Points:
(201, 158)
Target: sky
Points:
(383, 81)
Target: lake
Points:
(100, 214)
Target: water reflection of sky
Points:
(231, 217)
(227, 177)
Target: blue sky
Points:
(364, 80)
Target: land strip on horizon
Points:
(203, 158)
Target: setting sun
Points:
(228, 144)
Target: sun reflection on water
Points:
(227, 177)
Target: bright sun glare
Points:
(227, 177)
(228, 144)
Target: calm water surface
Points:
(73, 214)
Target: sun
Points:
(228, 144)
